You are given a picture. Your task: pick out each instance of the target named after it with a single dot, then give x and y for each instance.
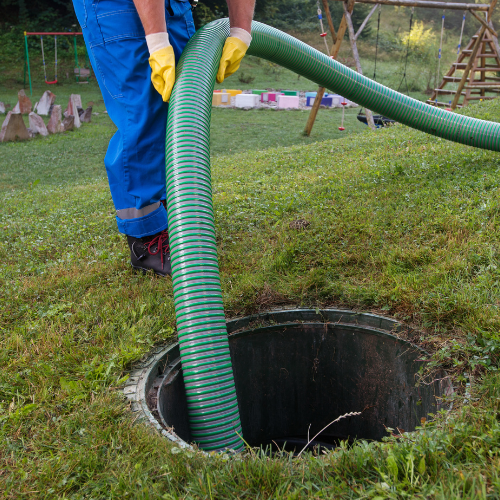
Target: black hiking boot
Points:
(151, 252)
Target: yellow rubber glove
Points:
(162, 64)
(233, 52)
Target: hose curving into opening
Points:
(206, 362)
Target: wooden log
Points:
(489, 27)
(321, 90)
(482, 85)
(482, 76)
(487, 69)
(445, 104)
(363, 24)
(472, 72)
(355, 54)
(314, 111)
(446, 91)
(493, 43)
(326, 8)
(429, 5)
(483, 54)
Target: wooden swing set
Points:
(472, 59)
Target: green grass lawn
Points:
(77, 156)
(401, 223)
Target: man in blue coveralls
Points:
(121, 37)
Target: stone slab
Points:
(47, 100)
(13, 128)
(23, 105)
(86, 116)
(37, 125)
(68, 123)
(75, 102)
(55, 126)
(2, 108)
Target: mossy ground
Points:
(401, 223)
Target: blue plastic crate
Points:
(326, 101)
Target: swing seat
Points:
(50, 83)
(379, 120)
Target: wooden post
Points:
(489, 27)
(341, 32)
(495, 45)
(430, 4)
(492, 41)
(314, 111)
(471, 76)
(467, 69)
(326, 8)
(495, 49)
(492, 36)
(482, 75)
(354, 47)
(321, 90)
(363, 24)
(492, 33)
(452, 70)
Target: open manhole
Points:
(296, 371)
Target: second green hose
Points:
(206, 361)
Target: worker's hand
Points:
(162, 62)
(233, 52)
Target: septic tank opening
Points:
(297, 370)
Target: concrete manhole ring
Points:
(296, 368)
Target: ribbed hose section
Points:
(280, 48)
(206, 363)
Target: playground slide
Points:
(206, 362)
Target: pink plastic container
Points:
(288, 101)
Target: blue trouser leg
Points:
(135, 160)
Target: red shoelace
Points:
(162, 241)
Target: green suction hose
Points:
(206, 362)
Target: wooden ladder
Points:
(479, 61)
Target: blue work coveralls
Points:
(135, 160)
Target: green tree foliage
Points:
(18, 16)
(423, 46)
(297, 15)
(453, 20)
(44, 14)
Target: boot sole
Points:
(144, 270)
